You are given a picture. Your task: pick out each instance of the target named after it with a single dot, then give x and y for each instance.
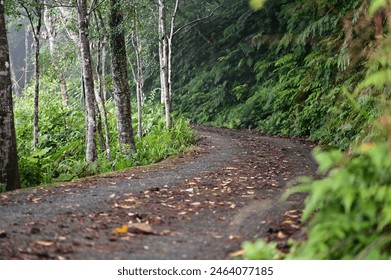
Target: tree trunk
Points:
(120, 79)
(91, 151)
(101, 87)
(9, 171)
(14, 80)
(27, 56)
(165, 57)
(37, 35)
(139, 81)
(162, 49)
(54, 55)
(36, 91)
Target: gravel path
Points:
(199, 205)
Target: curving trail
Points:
(199, 205)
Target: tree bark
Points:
(120, 79)
(100, 78)
(91, 151)
(139, 78)
(36, 90)
(165, 57)
(35, 13)
(9, 171)
(27, 57)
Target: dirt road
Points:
(199, 205)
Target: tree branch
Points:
(173, 18)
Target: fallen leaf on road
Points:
(123, 229)
(232, 206)
(140, 228)
(288, 222)
(281, 235)
(231, 237)
(236, 254)
(123, 206)
(36, 199)
(44, 243)
(292, 214)
(231, 168)
(166, 232)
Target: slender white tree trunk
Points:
(139, 78)
(91, 151)
(165, 57)
(27, 56)
(99, 98)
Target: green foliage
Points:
(353, 220)
(61, 153)
(349, 209)
(286, 74)
(260, 250)
(257, 4)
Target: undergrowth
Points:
(349, 210)
(61, 152)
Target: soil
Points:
(199, 205)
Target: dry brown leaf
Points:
(140, 228)
(237, 253)
(292, 214)
(182, 213)
(281, 235)
(123, 206)
(166, 232)
(44, 243)
(196, 203)
(227, 182)
(231, 168)
(36, 199)
(232, 237)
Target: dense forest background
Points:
(299, 68)
(289, 69)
